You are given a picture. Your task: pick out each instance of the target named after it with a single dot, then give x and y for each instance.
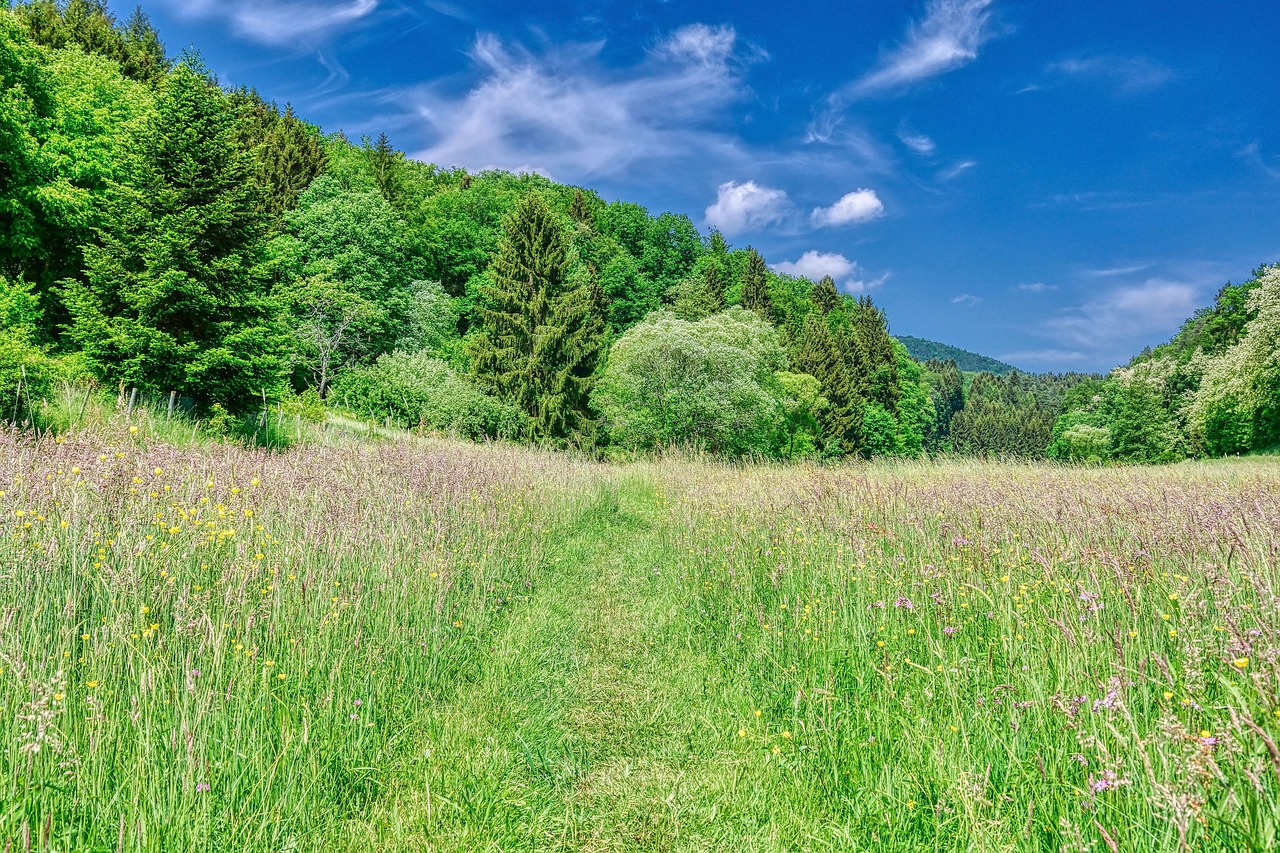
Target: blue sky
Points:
(1057, 184)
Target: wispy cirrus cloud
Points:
(848, 275)
(965, 299)
(1037, 287)
(861, 205)
(565, 114)
(917, 142)
(1125, 75)
(280, 23)
(947, 37)
(1252, 153)
(747, 207)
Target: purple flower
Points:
(201, 787)
(903, 601)
(950, 631)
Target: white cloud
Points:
(699, 43)
(747, 207)
(950, 174)
(1252, 153)
(947, 37)
(1043, 356)
(1037, 287)
(847, 274)
(966, 299)
(1127, 75)
(861, 205)
(273, 22)
(917, 142)
(1126, 314)
(1107, 272)
(564, 114)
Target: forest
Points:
(161, 233)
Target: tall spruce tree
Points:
(541, 325)
(824, 295)
(713, 279)
(815, 352)
(755, 287)
(174, 292)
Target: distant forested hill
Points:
(970, 362)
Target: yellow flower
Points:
(1241, 663)
(280, 676)
(133, 430)
(1168, 695)
(786, 735)
(1205, 733)
(776, 749)
(742, 732)
(758, 713)
(91, 684)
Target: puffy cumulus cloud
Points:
(813, 265)
(279, 22)
(1126, 75)
(747, 207)
(861, 205)
(564, 114)
(947, 37)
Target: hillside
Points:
(969, 362)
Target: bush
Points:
(418, 390)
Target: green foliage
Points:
(802, 407)
(1007, 415)
(710, 384)
(355, 240)
(814, 352)
(824, 295)
(946, 391)
(880, 430)
(541, 324)
(134, 46)
(26, 372)
(288, 153)
(968, 362)
(419, 390)
(174, 292)
(431, 321)
(755, 286)
(1237, 406)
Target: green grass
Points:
(434, 646)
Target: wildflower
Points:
(202, 787)
(786, 735)
(742, 732)
(1240, 663)
(950, 631)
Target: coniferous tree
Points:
(541, 327)
(755, 286)
(173, 297)
(713, 279)
(288, 153)
(386, 164)
(825, 296)
(578, 208)
(816, 353)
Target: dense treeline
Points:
(1213, 389)
(970, 362)
(162, 233)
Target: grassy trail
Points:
(595, 722)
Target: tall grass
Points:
(445, 646)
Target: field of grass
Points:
(435, 646)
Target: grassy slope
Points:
(488, 648)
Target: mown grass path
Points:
(595, 723)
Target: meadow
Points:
(427, 645)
